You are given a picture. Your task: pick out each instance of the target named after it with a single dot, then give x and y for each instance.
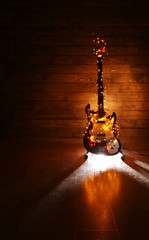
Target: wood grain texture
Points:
(47, 67)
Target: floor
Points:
(49, 192)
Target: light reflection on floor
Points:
(94, 166)
(100, 163)
(142, 164)
(99, 197)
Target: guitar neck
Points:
(100, 86)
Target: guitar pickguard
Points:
(101, 133)
(103, 128)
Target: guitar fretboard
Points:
(100, 87)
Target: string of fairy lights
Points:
(109, 123)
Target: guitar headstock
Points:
(100, 47)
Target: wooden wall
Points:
(47, 67)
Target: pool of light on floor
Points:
(97, 166)
(100, 162)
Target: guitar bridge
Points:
(100, 121)
(101, 135)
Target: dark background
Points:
(47, 67)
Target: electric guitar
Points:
(101, 134)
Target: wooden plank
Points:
(92, 10)
(49, 77)
(77, 3)
(127, 106)
(72, 112)
(71, 50)
(42, 59)
(71, 41)
(67, 69)
(83, 11)
(36, 32)
(132, 97)
(78, 95)
(131, 77)
(35, 77)
(51, 87)
(80, 87)
(66, 132)
(123, 124)
(129, 87)
(134, 124)
(86, 59)
(53, 106)
(52, 96)
(89, 20)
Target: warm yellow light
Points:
(92, 138)
(101, 162)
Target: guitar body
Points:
(101, 134)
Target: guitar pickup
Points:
(100, 121)
(101, 135)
